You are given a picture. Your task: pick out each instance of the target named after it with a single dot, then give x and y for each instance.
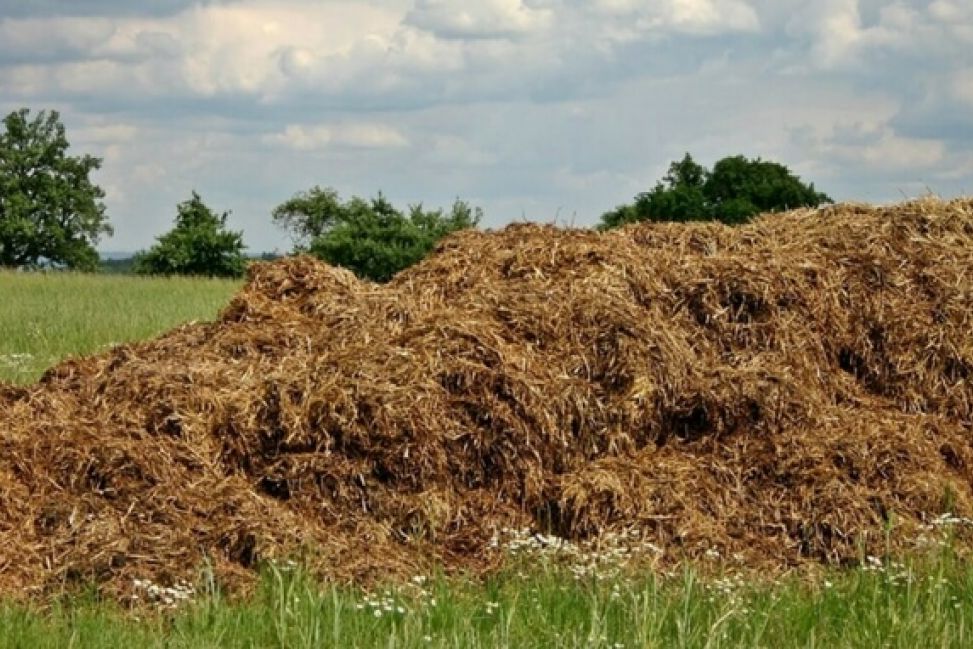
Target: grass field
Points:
(45, 317)
(889, 606)
(535, 604)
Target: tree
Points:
(370, 237)
(736, 190)
(199, 244)
(50, 211)
(309, 215)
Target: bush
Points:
(736, 190)
(199, 244)
(369, 237)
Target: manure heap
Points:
(783, 393)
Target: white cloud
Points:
(951, 12)
(482, 19)
(840, 38)
(835, 30)
(356, 135)
(878, 147)
(53, 38)
(342, 50)
(204, 50)
(711, 16)
(102, 133)
(239, 48)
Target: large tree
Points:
(736, 190)
(50, 211)
(198, 244)
(370, 237)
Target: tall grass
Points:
(926, 605)
(45, 317)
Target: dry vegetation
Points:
(796, 390)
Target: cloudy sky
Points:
(538, 109)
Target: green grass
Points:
(928, 605)
(45, 317)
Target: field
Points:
(47, 317)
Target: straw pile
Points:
(783, 392)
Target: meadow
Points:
(537, 602)
(46, 317)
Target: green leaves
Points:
(739, 189)
(199, 244)
(50, 211)
(736, 190)
(310, 214)
(370, 237)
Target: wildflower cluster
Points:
(728, 588)
(894, 572)
(409, 597)
(162, 596)
(600, 558)
(420, 592)
(383, 605)
(939, 528)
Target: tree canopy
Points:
(734, 191)
(369, 237)
(199, 244)
(50, 211)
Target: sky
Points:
(544, 110)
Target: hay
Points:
(779, 392)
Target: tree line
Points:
(51, 213)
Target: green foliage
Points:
(739, 189)
(199, 244)
(370, 237)
(309, 215)
(50, 211)
(736, 190)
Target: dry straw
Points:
(781, 393)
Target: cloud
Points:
(204, 50)
(710, 16)
(105, 133)
(69, 39)
(877, 147)
(957, 15)
(361, 135)
(458, 19)
(858, 35)
(344, 52)
(22, 8)
(962, 85)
